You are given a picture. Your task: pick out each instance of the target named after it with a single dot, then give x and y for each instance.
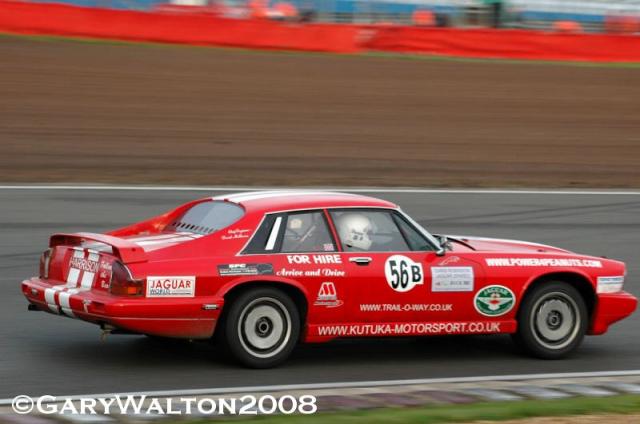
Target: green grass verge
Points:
(370, 54)
(491, 411)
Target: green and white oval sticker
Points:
(493, 301)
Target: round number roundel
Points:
(402, 273)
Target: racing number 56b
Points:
(402, 273)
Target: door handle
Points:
(360, 260)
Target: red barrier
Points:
(199, 29)
(205, 29)
(509, 44)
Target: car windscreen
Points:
(207, 217)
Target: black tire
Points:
(261, 327)
(552, 321)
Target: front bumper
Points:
(192, 318)
(610, 308)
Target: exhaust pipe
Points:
(108, 329)
(32, 307)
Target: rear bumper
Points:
(170, 317)
(610, 308)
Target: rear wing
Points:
(127, 251)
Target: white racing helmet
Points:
(353, 229)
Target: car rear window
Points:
(207, 217)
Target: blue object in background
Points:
(349, 7)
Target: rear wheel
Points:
(552, 320)
(262, 327)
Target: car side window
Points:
(306, 232)
(366, 230)
(262, 238)
(207, 217)
(294, 232)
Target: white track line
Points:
(352, 384)
(340, 189)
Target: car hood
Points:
(501, 245)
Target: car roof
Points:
(286, 200)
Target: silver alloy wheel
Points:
(555, 320)
(264, 327)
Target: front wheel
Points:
(262, 327)
(552, 320)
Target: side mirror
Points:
(442, 240)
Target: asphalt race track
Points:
(42, 354)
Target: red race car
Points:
(263, 271)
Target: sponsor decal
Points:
(493, 301)
(449, 260)
(322, 259)
(245, 269)
(526, 262)
(83, 264)
(104, 276)
(83, 267)
(414, 328)
(318, 272)
(236, 233)
(610, 284)
(172, 286)
(328, 247)
(407, 307)
(402, 273)
(327, 296)
(452, 279)
(80, 276)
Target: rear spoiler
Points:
(127, 251)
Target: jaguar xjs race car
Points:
(263, 271)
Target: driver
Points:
(305, 236)
(354, 229)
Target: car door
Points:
(395, 272)
(299, 247)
